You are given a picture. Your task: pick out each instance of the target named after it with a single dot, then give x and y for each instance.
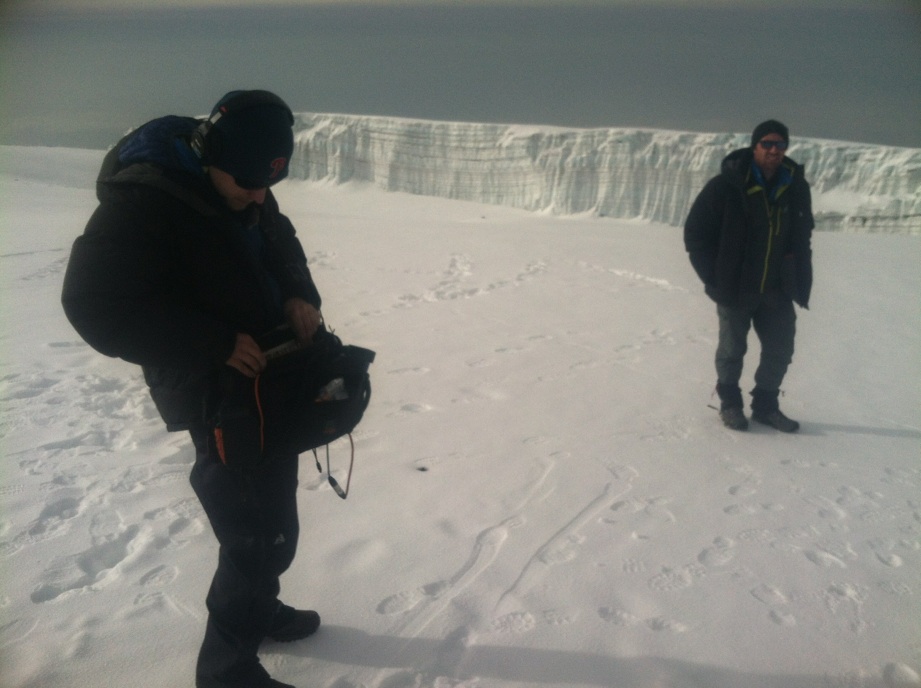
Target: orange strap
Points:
(219, 443)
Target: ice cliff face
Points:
(624, 173)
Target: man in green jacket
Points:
(748, 236)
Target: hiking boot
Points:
(271, 683)
(776, 419)
(292, 624)
(259, 682)
(252, 677)
(734, 418)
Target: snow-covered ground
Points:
(541, 495)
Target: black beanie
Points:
(772, 126)
(251, 142)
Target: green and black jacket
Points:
(747, 239)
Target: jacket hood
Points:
(158, 155)
(737, 162)
(162, 142)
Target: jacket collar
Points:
(738, 165)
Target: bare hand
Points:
(247, 357)
(303, 318)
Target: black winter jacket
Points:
(745, 240)
(165, 275)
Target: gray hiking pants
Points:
(774, 320)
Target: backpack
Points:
(304, 399)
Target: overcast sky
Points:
(842, 69)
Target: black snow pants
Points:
(254, 517)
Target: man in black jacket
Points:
(185, 262)
(748, 235)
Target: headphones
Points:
(203, 140)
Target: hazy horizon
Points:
(851, 73)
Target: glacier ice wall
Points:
(641, 174)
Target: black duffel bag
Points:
(304, 399)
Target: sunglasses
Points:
(250, 184)
(332, 481)
(768, 145)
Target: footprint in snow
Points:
(401, 602)
(516, 622)
(720, 554)
(79, 571)
(675, 579)
(159, 576)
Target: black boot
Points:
(731, 407)
(766, 410)
(293, 624)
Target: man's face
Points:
(769, 158)
(236, 197)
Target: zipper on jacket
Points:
(773, 216)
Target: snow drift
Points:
(642, 174)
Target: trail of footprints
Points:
(114, 544)
(816, 543)
(78, 506)
(457, 282)
(421, 605)
(723, 558)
